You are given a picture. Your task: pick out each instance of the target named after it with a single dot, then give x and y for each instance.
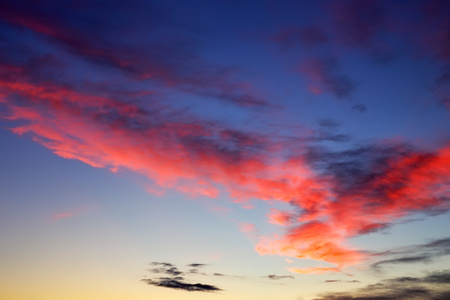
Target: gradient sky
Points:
(224, 149)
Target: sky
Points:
(225, 149)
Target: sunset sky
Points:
(224, 149)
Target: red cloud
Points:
(279, 217)
(201, 158)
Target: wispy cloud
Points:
(178, 284)
(346, 281)
(71, 213)
(324, 74)
(165, 61)
(277, 277)
(435, 285)
(177, 278)
(421, 253)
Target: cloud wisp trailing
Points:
(433, 286)
(178, 284)
(423, 253)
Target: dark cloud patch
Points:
(345, 281)
(441, 88)
(326, 73)
(328, 132)
(402, 260)
(441, 244)
(358, 170)
(246, 100)
(140, 40)
(173, 271)
(357, 23)
(434, 286)
(329, 123)
(175, 281)
(165, 268)
(300, 36)
(178, 284)
(434, 29)
(195, 265)
(360, 107)
(164, 264)
(323, 136)
(422, 253)
(277, 277)
(437, 247)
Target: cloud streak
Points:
(423, 253)
(434, 286)
(178, 284)
(176, 280)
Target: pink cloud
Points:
(247, 227)
(202, 158)
(72, 213)
(279, 217)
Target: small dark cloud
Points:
(196, 265)
(328, 132)
(360, 107)
(218, 274)
(300, 36)
(164, 264)
(345, 281)
(326, 73)
(434, 286)
(329, 123)
(165, 268)
(324, 136)
(422, 253)
(373, 227)
(276, 277)
(442, 244)
(402, 260)
(178, 284)
(443, 79)
(173, 271)
(358, 23)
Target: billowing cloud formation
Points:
(338, 194)
(123, 122)
(364, 190)
(434, 286)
